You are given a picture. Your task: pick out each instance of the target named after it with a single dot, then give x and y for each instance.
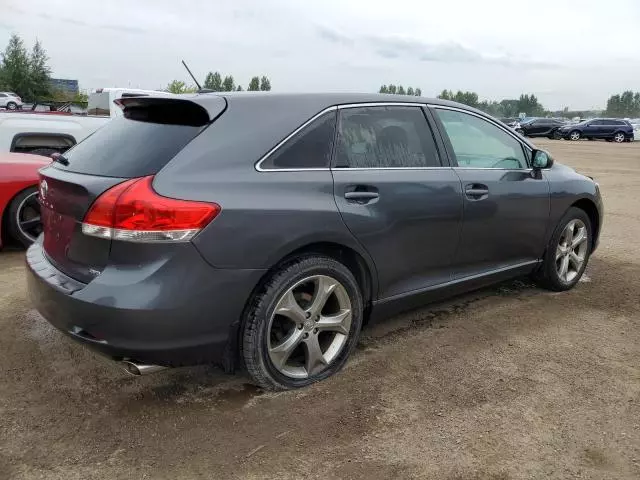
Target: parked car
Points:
(45, 133)
(190, 230)
(19, 207)
(540, 127)
(10, 101)
(610, 129)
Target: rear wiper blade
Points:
(61, 159)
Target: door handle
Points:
(362, 197)
(476, 191)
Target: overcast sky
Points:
(568, 53)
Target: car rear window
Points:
(139, 143)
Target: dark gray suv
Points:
(263, 231)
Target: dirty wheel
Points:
(304, 325)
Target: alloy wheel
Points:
(574, 136)
(28, 217)
(309, 326)
(618, 137)
(572, 250)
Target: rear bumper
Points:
(179, 312)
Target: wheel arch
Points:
(590, 208)
(363, 272)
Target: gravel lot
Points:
(507, 383)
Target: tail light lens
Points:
(132, 211)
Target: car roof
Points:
(313, 103)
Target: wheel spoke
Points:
(288, 306)
(579, 238)
(564, 267)
(339, 322)
(315, 360)
(568, 233)
(576, 260)
(324, 287)
(31, 223)
(281, 353)
(560, 251)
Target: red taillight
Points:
(133, 211)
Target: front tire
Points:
(24, 217)
(574, 135)
(619, 137)
(303, 324)
(12, 106)
(568, 252)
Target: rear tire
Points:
(564, 263)
(278, 348)
(619, 137)
(12, 106)
(24, 208)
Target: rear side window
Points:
(129, 148)
(311, 147)
(385, 137)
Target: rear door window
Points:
(385, 137)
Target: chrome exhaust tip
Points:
(136, 369)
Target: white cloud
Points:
(567, 53)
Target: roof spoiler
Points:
(170, 110)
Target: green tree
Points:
(418, 92)
(213, 81)
(383, 89)
(529, 105)
(15, 68)
(178, 86)
(401, 90)
(239, 89)
(265, 84)
(254, 84)
(446, 95)
(410, 91)
(228, 84)
(391, 88)
(39, 73)
(626, 104)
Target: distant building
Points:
(65, 85)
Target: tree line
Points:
(216, 83)
(399, 90)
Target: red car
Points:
(19, 207)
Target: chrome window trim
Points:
(258, 166)
(491, 121)
(381, 104)
(359, 169)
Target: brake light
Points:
(133, 211)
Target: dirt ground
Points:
(507, 383)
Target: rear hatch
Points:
(138, 144)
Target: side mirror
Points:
(541, 159)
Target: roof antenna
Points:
(194, 78)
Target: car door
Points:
(593, 129)
(506, 203)
(539, 127)
(608, 128)
(396, 195)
